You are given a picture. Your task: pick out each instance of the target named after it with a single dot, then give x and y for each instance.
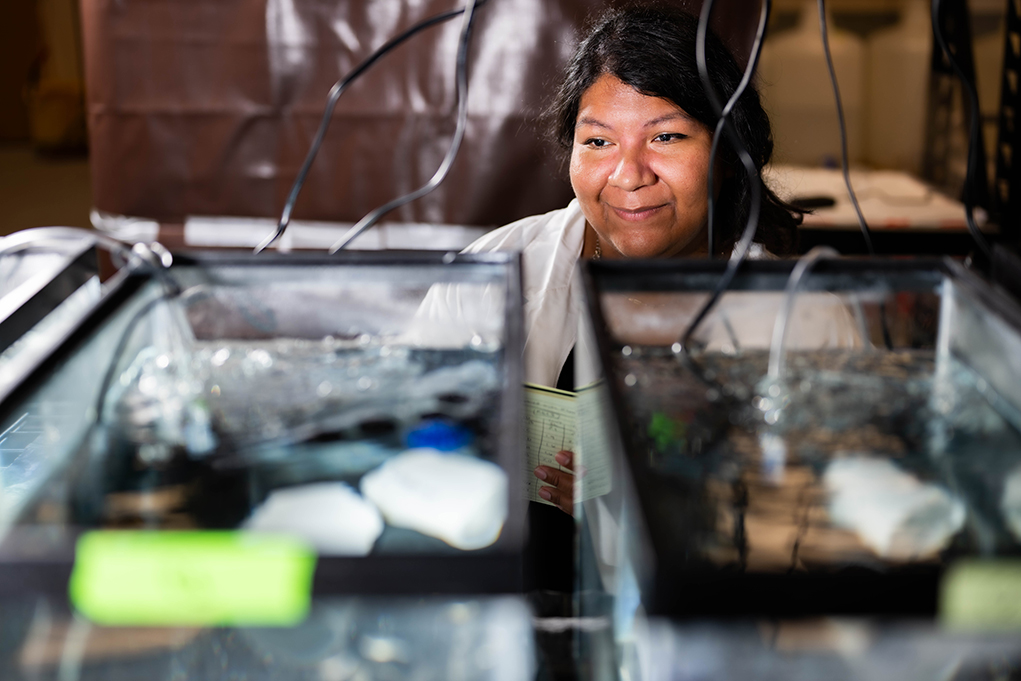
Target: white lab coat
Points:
(551, 245)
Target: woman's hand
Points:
(560, 489)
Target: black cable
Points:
(448, 160)
(711, 234)
(845, 162)
(724, 114)
(974, 131)
(331, 101)
(845, 166)
(741, 250)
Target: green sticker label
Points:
(982, 595)
(139, 578)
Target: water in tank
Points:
(336, 400)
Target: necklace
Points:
(598, 252)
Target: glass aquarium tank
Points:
(272, 467)
(849, 450)
(35, 281)
(44, 289)
(366, 404)
(835, 649)
(340, 639)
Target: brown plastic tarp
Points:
(207, 107)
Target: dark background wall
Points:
(19, 49)
(208, 108)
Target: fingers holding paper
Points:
(559, 483)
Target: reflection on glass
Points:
(470, 639)
(265, 404)
(851, 483)
(812, 473)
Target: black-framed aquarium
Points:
(869, 466)
(335, 399)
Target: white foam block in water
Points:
(331, 516)
(459, 499)
(893, 512)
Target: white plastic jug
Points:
(797, 93)
(898, 89)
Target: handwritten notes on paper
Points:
(550, 420)
(551, 426)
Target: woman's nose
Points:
(632, 171)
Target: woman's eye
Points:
(669, 137)
(595, 143)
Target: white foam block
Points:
(459, 499)
(893, 512)
(331, 516)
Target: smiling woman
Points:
(633, 117)
(639, 167)
(651, 49)
(636, 122)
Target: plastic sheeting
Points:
(207, 107)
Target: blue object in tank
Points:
(441, 435)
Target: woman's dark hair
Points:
(652, 49)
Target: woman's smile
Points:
(638, 214)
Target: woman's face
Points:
(639, 167)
